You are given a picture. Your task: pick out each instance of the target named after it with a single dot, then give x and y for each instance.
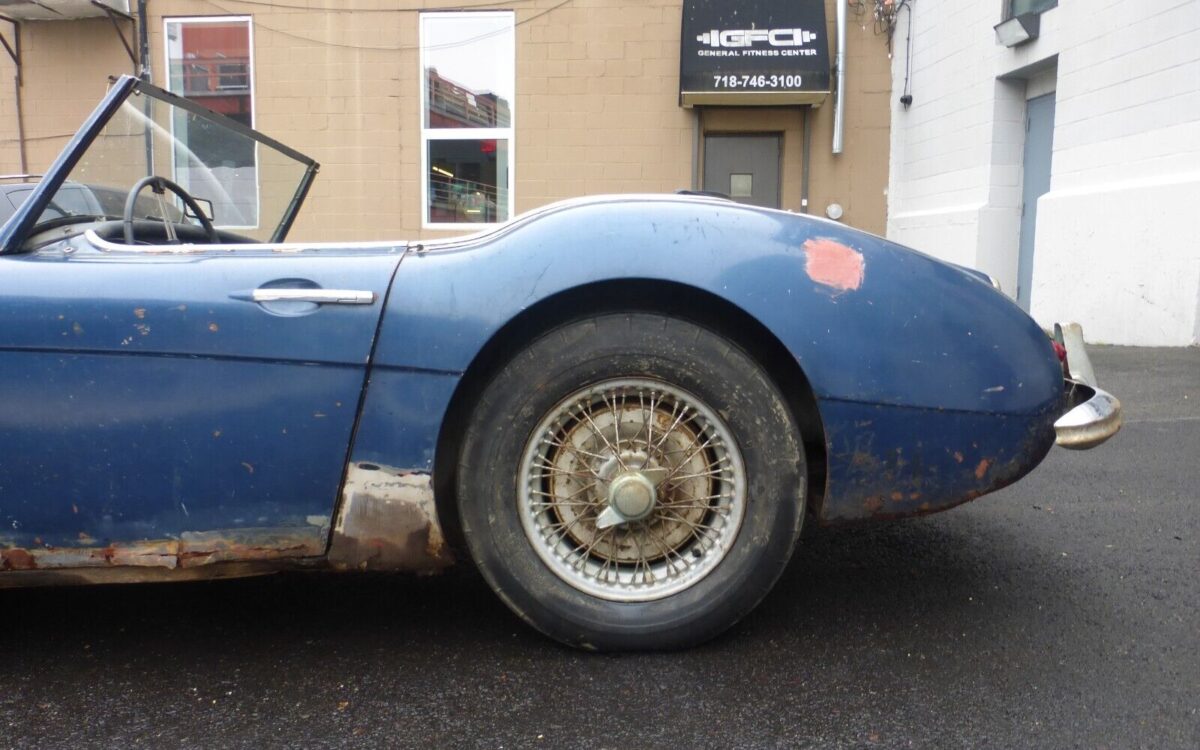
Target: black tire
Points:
(681, 355)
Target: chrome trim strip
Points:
(1096, 419)
(103, 245)
(1091, 423)
(320, 296)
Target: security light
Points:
(1018, 29)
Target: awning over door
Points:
(59, 10)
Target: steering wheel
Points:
(160, 185)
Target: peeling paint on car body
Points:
(212, 440)
(388, 521)
(895, 472)
(833, 264)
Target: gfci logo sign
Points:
(748, 37)
(735, 52)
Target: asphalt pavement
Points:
(1061, 612)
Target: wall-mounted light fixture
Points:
(1018, 29)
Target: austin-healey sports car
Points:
(620, 409)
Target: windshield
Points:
(242, 182)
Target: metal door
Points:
(744, 167)
(149, 396)
(1039, 146)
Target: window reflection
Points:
(452, 105)
(467, 180)
(208, 61)
(469, 70)
(468, 81)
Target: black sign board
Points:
(741, 52)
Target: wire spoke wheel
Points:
(631, 480)
(632, 489)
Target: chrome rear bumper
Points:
(1093, 415)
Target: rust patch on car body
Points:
(388, 521)
(887, 472)
(981, 468)
(833, 264)
(167, 556)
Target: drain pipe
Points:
(144, 74)
(18, 83)
(805, 157)
(839, 107)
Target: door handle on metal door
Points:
(319, 296)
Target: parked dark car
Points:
(622, 409)
(76, 200)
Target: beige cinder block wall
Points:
(858, 177)
(65, 69)
(596, 106)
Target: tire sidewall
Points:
(689, 357)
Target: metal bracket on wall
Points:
(13, 49)
(113, 14)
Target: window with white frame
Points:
(210, 61)
(1021, 7)
(467, 92)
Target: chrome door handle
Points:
(320, 296)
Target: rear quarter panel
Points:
(932, 387)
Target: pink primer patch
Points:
(833, 264)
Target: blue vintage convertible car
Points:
(621, 409)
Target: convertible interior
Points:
(156, 169)
(150, 231)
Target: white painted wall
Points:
(1118, 235)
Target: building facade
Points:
(1055, 144)
(434, 117)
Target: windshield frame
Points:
(18, 226)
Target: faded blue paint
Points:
(147, 399)
(931, 349)
(890, 461)
(402, 417)
(163, 359)
(143, 400)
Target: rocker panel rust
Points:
(388, 521)
(194, 555)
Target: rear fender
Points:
(911, 360)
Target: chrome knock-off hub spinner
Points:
(632, 496)
(632, 489)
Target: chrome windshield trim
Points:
(107, 246)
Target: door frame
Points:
(778, 135)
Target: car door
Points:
(169, 408)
